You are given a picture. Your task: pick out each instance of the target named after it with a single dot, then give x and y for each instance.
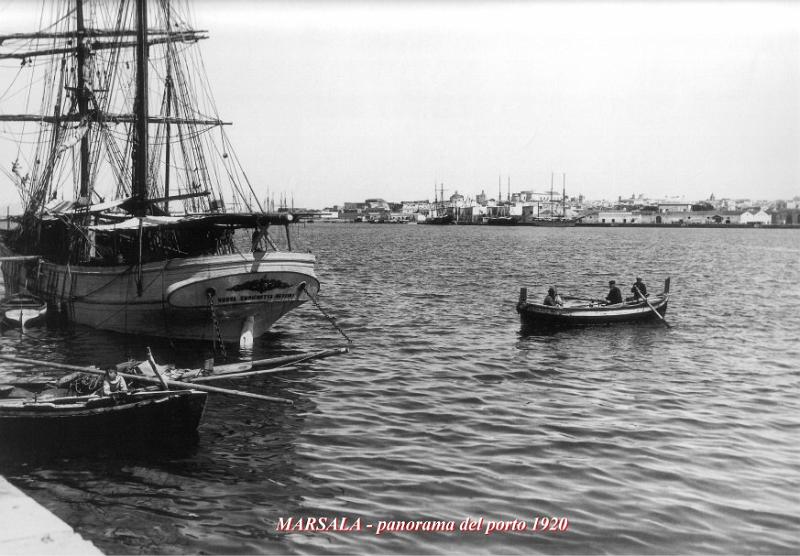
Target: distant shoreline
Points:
(576, 225)
(615, 225)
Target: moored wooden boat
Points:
(581, 313)
(137, 416)
(22, 309)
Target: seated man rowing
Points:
(614, 294)
(553, 299)
(639, 290)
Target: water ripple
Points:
(649, 440)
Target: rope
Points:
(332, 320)
(210, 294)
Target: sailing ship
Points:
(553, 219)
(503, 215)
(137, 216)
(441, 215)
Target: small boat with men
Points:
(22, 309)
(68, 413)
(139, 415)
(583, 311)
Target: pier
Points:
(29, 528)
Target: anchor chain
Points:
(210, 294)
(331, 319)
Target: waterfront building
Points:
(786, 217)
(673, 207)
(471, 214)
(697, 217)
(409, 208)
(376, 204)
(756, 215)
(612, 217)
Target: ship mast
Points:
(82, 94)
(140, 143)
(168, 92)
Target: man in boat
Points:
(553, 299)
(113, 383)
(614, 294)
(638, 289)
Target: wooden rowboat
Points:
(143, 415)
(581, 313)
(22, 309)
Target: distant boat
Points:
(551, 222)
(22, 310)
(440, 220)
(501, 221)
(577, 312)
(136, 416)
(554, 220)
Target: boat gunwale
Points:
(598, 310)
(49, 409)
(187, 262)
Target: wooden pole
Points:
(20, 258)
(651, 306)
(576, 298)
(141, 378)
(275, 361)
(159, 375)
(242, 375)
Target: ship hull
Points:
(196, 298)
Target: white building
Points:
(613, 217)
(674, 207)
(755, 216)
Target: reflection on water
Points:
(647, 439)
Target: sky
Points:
(341, 101)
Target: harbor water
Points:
(646, 439)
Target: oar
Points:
(651, 306)
(575, 298)
(141, 378)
